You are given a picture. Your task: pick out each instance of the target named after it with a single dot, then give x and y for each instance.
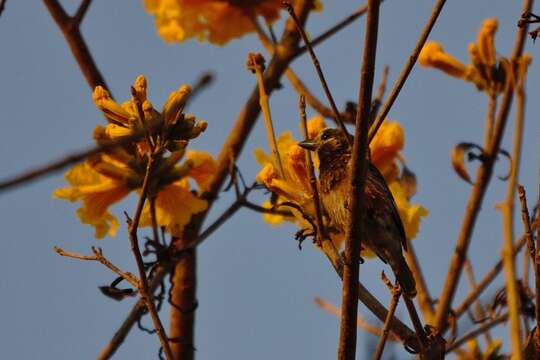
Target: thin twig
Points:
(424, 297)
(297, 84)
(533, 255)
(474, 333)
(333, 30)
(312, 100)
(75, 157)
(490, 119)
(153, 218)
(321, 231)
(476, 196)
(360, 322)
(144, 289)
(377, 100)
(507, 209)
(355, 231)
(407, 68)
(486, 280)
(417, 323)
(479, 309)
(81, 12)
(202, 83)
(135, 313)
(337, 115)
(98, 256)
(69, 25)
(255, 63)
(396, 293)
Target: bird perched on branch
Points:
(383, 229)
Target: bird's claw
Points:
(302, 235)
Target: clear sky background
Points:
(255, 288)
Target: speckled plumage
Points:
(385, 234)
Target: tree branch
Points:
(70, 28)
(407, 68)
(143, 288)
(355, 232)
(396, 293)
(476, 196)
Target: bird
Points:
(383, 228)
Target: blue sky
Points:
(256, 289)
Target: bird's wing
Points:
(388, 207)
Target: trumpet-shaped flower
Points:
(433, 55)
(107, 178)
(485, 71)
(216, 21)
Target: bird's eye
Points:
(325, 136)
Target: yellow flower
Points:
(433, 55)
(215, 21)
(175, 204)
(410, 214)
(203, 167)
(484, 71)
(107, 178)
(385, 147)
(98, 193)
(486, 42)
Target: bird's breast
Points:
(336, 203)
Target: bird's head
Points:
(329, 144)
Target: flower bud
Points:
(111, 109)
(433, 55)
(175, 103)
(486, 42)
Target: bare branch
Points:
(75, 157)
(407, 68)
(476, 196)
(474, 333)
(355, 232)
(337, 115)
(360, 322)
(144, 289)
(70, 28)
(98, 256)
(396, 293)
(533, 255)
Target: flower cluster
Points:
(217, 21)
(484, 70)
(108, 177)
(294, 185)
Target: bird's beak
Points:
(308, 145)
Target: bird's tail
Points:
(404, 277)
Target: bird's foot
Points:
(302, 235)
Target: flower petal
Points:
(204, 168)
(386, 145)
(433, 55)
(175, 205)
